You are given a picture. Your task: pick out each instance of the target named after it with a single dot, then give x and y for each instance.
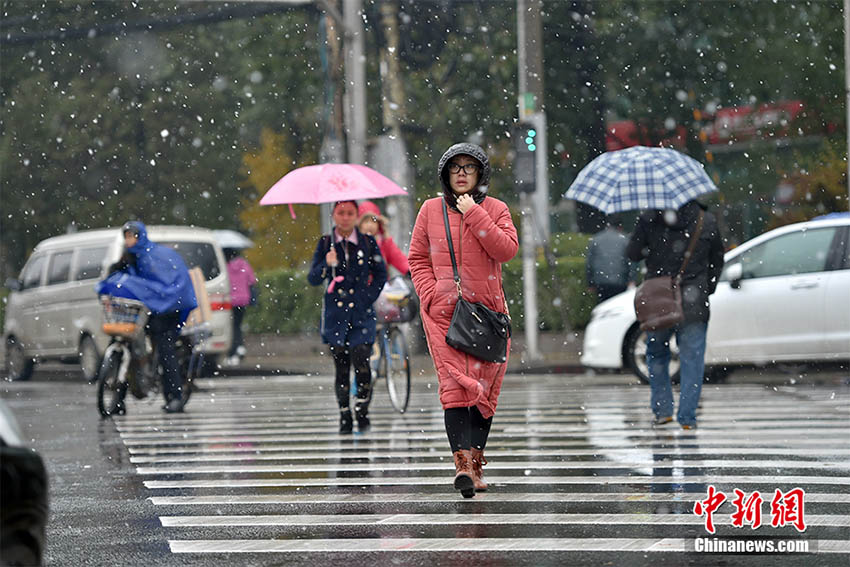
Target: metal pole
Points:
(529, 280)
(355, 82)
(530, 93)
(540, 196)
(400, 208)
(847, 88)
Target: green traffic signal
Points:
(529, 139)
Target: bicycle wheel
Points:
(112, 383)
(397, 361)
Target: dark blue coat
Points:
(347, 314)
(158, 278)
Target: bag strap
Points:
(451, 247)
(692, 245)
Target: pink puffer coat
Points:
(483, 238)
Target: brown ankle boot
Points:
(478, 461)
(463, 473)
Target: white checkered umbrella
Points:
(640, 178)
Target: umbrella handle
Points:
(291, 211)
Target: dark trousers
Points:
(238, 315)
(467, 428)
(344, 357)
(165, 331)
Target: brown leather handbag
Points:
(658, 301)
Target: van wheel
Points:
(89, 358)
(634, 355)
(18, 365)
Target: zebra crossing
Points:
(255, 468)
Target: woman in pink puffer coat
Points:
(484, 237)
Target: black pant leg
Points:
(479, 428)
(363, 375)
(458, 428)
(238, 315)
(342, 365)
(165, 330)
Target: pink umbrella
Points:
(328, 183)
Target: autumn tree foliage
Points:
(817, 186)
(279, 240)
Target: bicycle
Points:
(391, 361)
(130, 361)
(390, 357)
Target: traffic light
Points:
(525, 172)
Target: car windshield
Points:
(201, 254)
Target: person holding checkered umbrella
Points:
(665, 185)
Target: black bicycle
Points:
(130, 362)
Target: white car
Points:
(783, 296)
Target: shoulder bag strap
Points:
(692, 246)
(451, 247)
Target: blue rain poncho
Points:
(159, 278)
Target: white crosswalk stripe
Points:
(256, 466)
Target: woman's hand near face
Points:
(464, 203)
(331, 259)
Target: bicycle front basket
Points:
(397, 303)
(123, 317)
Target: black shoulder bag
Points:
(475, 329)
(658, 301)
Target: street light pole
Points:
(355, 81)
(847, 88)
(530, 74)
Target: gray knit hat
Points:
(465, 148)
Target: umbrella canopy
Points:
(640, 178)
(328, 183)
(232, 239)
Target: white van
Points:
(53, 312)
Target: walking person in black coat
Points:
(661, 238)
(352, 264)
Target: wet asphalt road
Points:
(255, 474)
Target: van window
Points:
(201, 254)
(60, 268)
(90, 263)
(31, 276)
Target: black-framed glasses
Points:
(468, 168)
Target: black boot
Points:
(345, 423)
(361, 411)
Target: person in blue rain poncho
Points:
(158, 277)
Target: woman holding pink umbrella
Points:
(351, 262)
